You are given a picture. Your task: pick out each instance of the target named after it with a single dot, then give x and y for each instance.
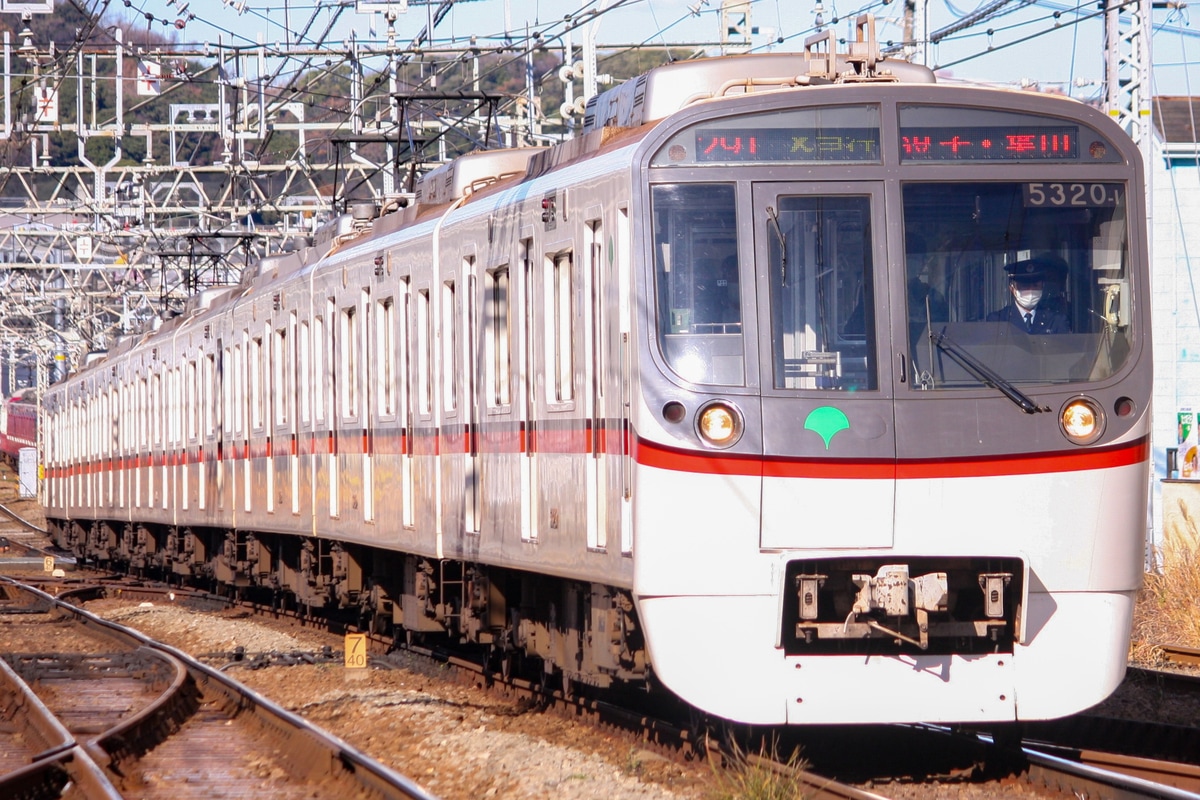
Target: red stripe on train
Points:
(654, 455)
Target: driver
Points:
(1026, 284)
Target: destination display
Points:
(1014, 142)
(733, 144)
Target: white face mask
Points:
(1027, 298)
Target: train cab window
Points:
(1016, 282)
(697, 282)
(820, 278)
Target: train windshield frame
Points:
(953, 203)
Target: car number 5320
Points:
(1072, 195)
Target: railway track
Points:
(114, 714)
(1055, 763)
(1180, 656)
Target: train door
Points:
(826, 397)
(473, 489)
(624, 280)
(368, 390)
(223, 388)
(529, 465)
(594, 376)
(406, 416)
(329, 396)
(295, 365)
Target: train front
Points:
(892, 440)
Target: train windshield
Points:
(1017, 282)
(697, 287)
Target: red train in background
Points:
(18, 424)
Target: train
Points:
(18, 424)
(712, 397)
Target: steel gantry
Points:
(136, 175)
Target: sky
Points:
(1052, 43)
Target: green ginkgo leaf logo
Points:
(826, 421)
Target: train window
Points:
(210, 405)
(385, 347)
(157, 411)
(403, 334)
(982, 255)
(192, 401)
(814, 135)
(697, 280)
(450, 361)
(143, 415)
(304, 373)
(498, 323)
(348, 359)
(318, 372)
(239, 389)
(333, 367)
(180, 410)
(424, 353)
(256, 375)
(228, 381)
(279, 371)
(820, 277)
(560, 333)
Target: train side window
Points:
(333, 368)
(424, 354)
(403, 352)
(318, 371)
(192, 402)
(304, 373)
(257, 370)
(498, 324)
(143, 415)
(348, 357)
(228, 385)
(157, 410)
(560, 328)
(279, 372)
(385, 337)
(450, 360)
(697, 282)
(210, 400)
(181, 410)
(239, 388)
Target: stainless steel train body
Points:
(708, 395)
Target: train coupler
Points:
(930, 604)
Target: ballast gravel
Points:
(455, 741)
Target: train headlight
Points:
(1082, 420)
(719, 424)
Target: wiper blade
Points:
(984, 373)
(774, 219)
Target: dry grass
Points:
(744, 776)
(1167, 611)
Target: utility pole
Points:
(1128, 80)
